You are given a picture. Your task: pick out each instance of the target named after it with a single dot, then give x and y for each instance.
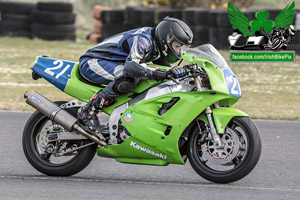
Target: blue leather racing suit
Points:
(122, 55)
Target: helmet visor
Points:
(176, 46)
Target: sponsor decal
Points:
(36, 99)
(145, 42)
(143, 46)
(153, 67)
(134, 145)
(128, 117)
(261, 34)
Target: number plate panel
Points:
(57, 72)
(232, 83)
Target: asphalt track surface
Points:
(277, 175)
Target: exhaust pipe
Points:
(57, 114)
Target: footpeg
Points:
(93, 131)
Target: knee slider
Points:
(124, 85)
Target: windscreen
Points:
(208, 52)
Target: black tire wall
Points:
(44, 20)
(53, 21)
(15, 20)
(55, 7)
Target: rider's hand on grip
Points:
(160, 74)
(177, 72)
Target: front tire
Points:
(47, 164)
(212, 165)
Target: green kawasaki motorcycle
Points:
(157, 124)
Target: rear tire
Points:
(249, 143)
(31, 150)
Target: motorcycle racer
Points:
(119, 62)
(280, 37)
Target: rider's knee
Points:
(124, 85)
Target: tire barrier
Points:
(201, 35)
(51, 17)
(53, 21)
(218, 37)
(148, 17)
(99, 16)
(294, 47)
(222, 20)
(113, 16)
(14, 28)
(94, 37)
(55, 7)
(98, 26)
(111, 29)
(208, 26)
(55, 28)
(14, 19)
(44, 20)
(16, 7)
(161, 13)
(195, 16)
(98, 10)
(133, 16)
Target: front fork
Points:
(208, 113)
(213, 129)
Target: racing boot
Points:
(88, 113)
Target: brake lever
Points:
(188, 76)
(173, 79)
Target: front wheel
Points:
(49, 155)
(239, 155)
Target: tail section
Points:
(65, 76)
(57, 72)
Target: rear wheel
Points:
(238, 157)
(47, 154)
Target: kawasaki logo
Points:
(133, 144)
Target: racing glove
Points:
(177, 72)
(160, 74)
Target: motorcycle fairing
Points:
(148, 129)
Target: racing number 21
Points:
(232, 83)
(59, 64)
(233, 80)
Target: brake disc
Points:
(227, 153)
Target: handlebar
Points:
(192, 71)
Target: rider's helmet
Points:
(170, 35)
